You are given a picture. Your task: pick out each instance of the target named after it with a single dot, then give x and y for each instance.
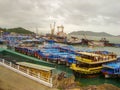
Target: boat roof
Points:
(35, 66)
(89, 54)
(112, 65)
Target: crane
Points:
(52, 30)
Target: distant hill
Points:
(118, 35)
(18, 30)
(90, 33)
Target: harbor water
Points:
(91, 81)
(100, 80)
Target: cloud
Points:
(73, 14)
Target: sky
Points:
(74, 15)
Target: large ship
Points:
(89, 64)
(59, 37)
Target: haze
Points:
(74, 15)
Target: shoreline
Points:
(10, 80)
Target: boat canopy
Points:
(112, 65)
(30, 65)
(89, 54)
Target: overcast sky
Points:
(74, 15)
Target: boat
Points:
(112, 69)
(89, 64)
(92, 42)
(33, 40)
(59, 37)
(43, 72)
(51, 52)
(74, 41)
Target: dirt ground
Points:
(10, 80)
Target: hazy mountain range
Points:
(21, 30)
(90, 33)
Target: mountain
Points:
(18, 30)
(89, 33)
(118, 36)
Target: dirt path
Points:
(10, 80)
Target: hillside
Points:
(90, 33)
(18, 30)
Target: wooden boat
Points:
(90, 63)
(38, 71)
(51, 52)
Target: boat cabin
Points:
(39, 71)
(95, 57)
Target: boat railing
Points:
(92, 61)
(86, 70)
(83, 59)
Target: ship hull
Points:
(81, 75)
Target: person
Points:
(96, 58)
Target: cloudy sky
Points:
(75, 15)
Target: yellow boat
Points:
(90, 63)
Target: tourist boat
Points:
(55, 55)
(51, 52)
(89, 64)
(112, 69)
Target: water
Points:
(101, 79)
(110, 39)
(111, 49)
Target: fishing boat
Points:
(89, 64)
(112, 69)
(96, 43)
(74, 41)
(102, 42)
(92, 42)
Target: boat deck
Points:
(88, 61)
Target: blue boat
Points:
(112, 69)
